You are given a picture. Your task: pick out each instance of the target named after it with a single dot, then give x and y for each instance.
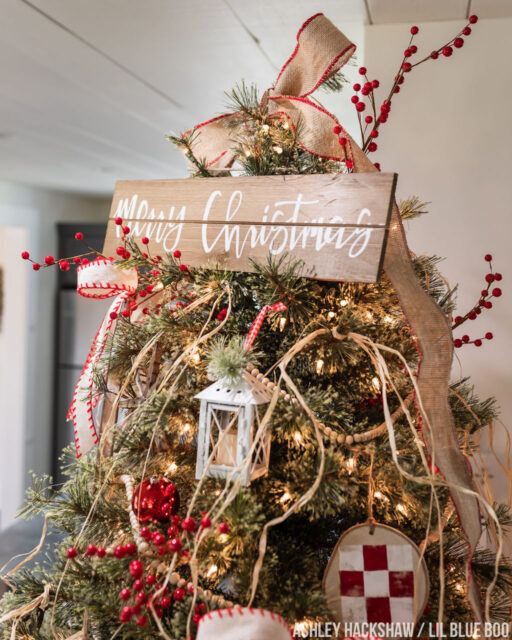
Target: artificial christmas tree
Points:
(322, 406)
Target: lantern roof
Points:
(248, 391)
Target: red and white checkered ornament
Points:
(376, 574)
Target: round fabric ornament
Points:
(376, 574)
(155, 499)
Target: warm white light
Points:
(369, 315)
(195, 358)
(376, 383)
(297, 437)
(458, 586)
(172, 467)
(285, 497)
(319, 366)
(343, 303)
(247, 153)
(331, 315)
(186, 427)
(285, 125)
(351, 464)
(402, 509)
(223, 537)
(388, 319)
(381, 496)
(278, 149)
(282, 323)
(212, 570)
(265, 128)
(217, 492)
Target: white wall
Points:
(449, 139)
(28, 217)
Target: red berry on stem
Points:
(79, 236)
(447, 51)
(458, 43)
(85, 261)
(140, 597)
(434, 55)
(357, 87)
(126, 230)
(36, 266)
(150, 579)
(126, 614)
(145, 240)
(374, 133)
(174, 545)
(466, 31)
(142, 621)
(113, 315)
(414, 30)
(126, 313)
(223, 527)
(457, 343)
(349, 163)
(49, 260)
(407, 53)
(183, 267)
(489, 277)
(206, 522)
(372, 146)
(179, 594)
(25, 255)
(130, 549)
(413, 48)
(488, 304)
(360, 106)
(76, 260)
(489, 336)
(119, 551)
(71, 552)
(342, 141)
(177, 253)
(158, 539)
(362, 70)
(368, 119)
(375, 84)
(478, 342)
(125, 594)
(138, 585)
(483, 293)
(189, 525)
(406, 66)
(165, 602)
(118, 221)
(377, 165)
(488, 257)
(498, 276)
(473, 19)
(91, 550)
(101, 552)
(337, 130)
(496, 292)
(354, 99)
(64, 265)
(472, 315)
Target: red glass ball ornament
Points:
(119, 552)
(165, 602)
(174, 545)
(155, 499)
(136, 568)
(138, 585)
(126, 614)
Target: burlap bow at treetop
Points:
(321, 51)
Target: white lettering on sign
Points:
(281, 228)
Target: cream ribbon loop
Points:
(97, 279)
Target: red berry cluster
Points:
(484, 302)
(366, 90)
(221, 316)
(64, 263)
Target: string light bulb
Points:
(186, 427)
(265, 128)
(388, 319)
(376, 383)
(172, 468)
(217, 492)
(369, 315)
(351, 465)
(297, 436)
(381, 496)
(400, 507)
(319, 366)
(285, 497)
(331, 315)
(282, 323)
(286, 125)
(278, 149)
(195, 358)
(343, 303)
(247, 153)
(212, 570)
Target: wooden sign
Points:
(336, 223)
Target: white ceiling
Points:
(89, 88)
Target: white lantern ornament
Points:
(228, 422)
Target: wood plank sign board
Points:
(336, 224)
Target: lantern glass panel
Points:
(223, 435)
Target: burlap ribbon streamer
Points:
(321, 50)
(97, 279)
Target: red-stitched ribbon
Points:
(320, 52)
(256, 325)
(97, 279)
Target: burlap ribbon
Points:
(97, 279)
(321, 50)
